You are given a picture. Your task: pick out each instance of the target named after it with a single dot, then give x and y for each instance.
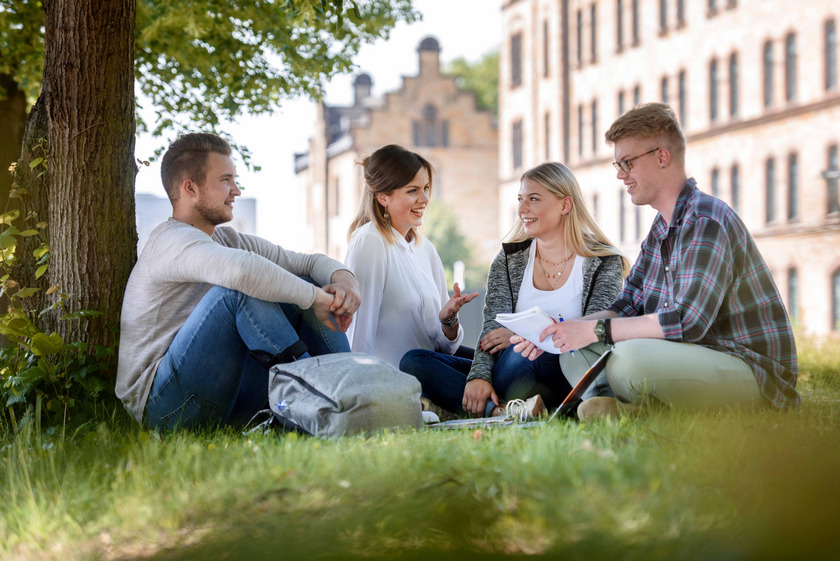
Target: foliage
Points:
(482, 77)
(202, 61)
(40, 370)
(441, 227)
(728, 485)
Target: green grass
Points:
(732, 485)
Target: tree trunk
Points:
(88, 99)
(13, 118)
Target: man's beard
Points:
(214, 216)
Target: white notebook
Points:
(529, 324)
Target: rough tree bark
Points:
(86, 113)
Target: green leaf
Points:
(25, 293)
(41, 251)
(43, 344)
(9, 217)
(41, 270)
(34, 163)
(30, 232)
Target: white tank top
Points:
(563, 302)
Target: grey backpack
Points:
(344, 393)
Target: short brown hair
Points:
(186, 158)
(650, 120)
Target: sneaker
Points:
(525, 410)
(430, 417)
(426, 405)
(603, 407)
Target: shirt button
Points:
(667, 269)
(666, 304)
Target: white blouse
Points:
(403, 289)
(562, 302)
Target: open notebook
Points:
(566, 408)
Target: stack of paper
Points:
(529, 324)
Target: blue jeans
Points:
(208, 377)
(443, 377)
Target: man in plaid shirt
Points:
(700, 322)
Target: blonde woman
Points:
(556, 258)
(405, 302)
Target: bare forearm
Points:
(640, 327)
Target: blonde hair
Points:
(386, 170)
(650, 120)
(582, 234)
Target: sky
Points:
(464, 28)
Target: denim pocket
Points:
(193, 413)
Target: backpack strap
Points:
(289, 354)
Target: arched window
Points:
(790, 67)
(768, 74)
(733, 85)
(793, 186)
(832, 179)
(793, 294)
(735, 184)
(830, 55)
(713, 90)
(770, 190)
(682, 93)
(715, 182)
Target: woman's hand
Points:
(476, 393)
(451, 308)
(525, 347)
(496, 341)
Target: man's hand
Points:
(496, 340)
(476, 393)
(347, 298)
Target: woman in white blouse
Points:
(405, 303)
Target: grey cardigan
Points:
(603, 278)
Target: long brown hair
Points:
(386, 170)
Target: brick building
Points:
(428, 114)
(755, 85)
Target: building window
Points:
(635, 22)
(793, 187)
(619, 23)
(768, 74)
(621, 220)
(835, 301)
(713, 90)
(832, 180)
(545, 49)
(682, 93)
(663, 16)
(830, 55)
(735, 182)
(620, 104)
(793, 294)
(790, 67)
(594, 126)
(547, 127)
(517, 144)
(680, 13)
(580, 130)
(593, 22)
(711, 9)
(733, 85)
(663, 89)
(638, 213)
(579, 37)
(770, 190)
(516, 60)
(430, 131)
(715, 182)
(637, 95)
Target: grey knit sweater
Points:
(602, 281)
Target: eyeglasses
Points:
(624, 165)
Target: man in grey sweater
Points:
(203, 300)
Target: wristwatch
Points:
(601, 331)
(451, 321)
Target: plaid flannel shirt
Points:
(707, 281)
